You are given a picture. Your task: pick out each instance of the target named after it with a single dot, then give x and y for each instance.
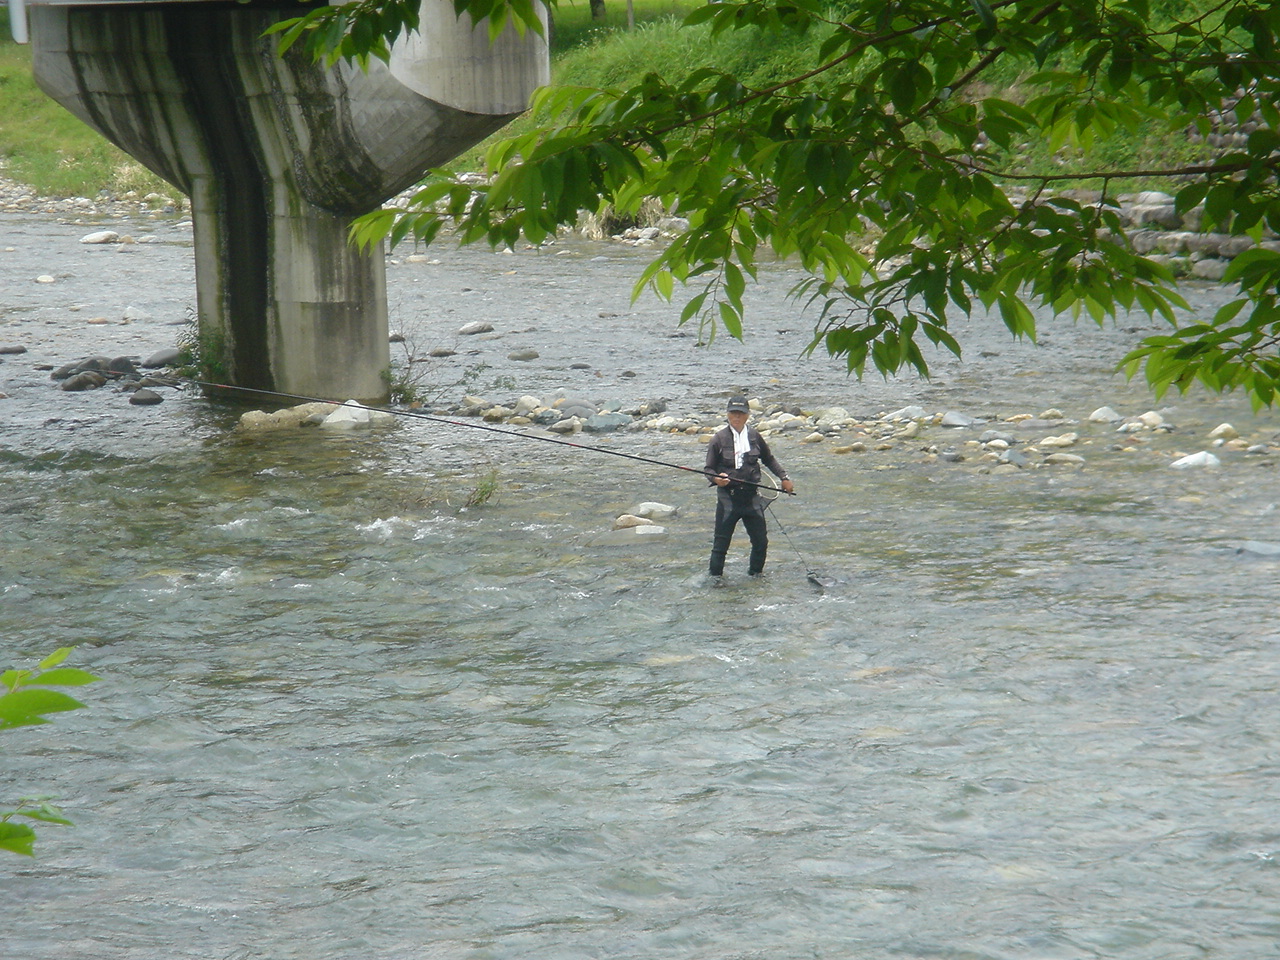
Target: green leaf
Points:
(731, 320)
(66, 677)
(17, 838)
(27, 706)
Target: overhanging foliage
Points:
(888, 170)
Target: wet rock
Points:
(101, 236)
(566, 425)
(260, 421)
(575, 408)
(86, 380)
(162, 358)
(605, 422)
(547, 416)
(1151, 419)
(352, 414)
(1053, 413)
(12, 349)
(441, 352)
(1104, 415)
(1065, 440)
(628, 520)
(94, 364)
(1223, 431)
(527, 405)
(813, 438)
(122, 365)
(906, 413)
(1064, 460)
(523, 355)
(142, 397)
(856, 447)
(632, 536)
(652, 510)
(990, 436)
(1212, 269)
(912, 429)
(475, 327)
(954, 419)
(1201, 459)
(45, 278)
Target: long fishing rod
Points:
(419, 415)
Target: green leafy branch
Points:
(892, 176)
(25, 702)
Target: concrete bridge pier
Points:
(278, 156)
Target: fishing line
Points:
(813, 577)
(419, 415)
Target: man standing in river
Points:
(735, 454)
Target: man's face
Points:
(737, 419)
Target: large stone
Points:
(654, 511)
(1201, 459)
(163, 358)
(605, 422)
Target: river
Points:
(342, 715)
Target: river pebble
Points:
(1201, 459)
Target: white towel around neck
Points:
(741, 446)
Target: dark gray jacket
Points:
(720, 458)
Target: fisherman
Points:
(735, 454)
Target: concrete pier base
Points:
(278, 156)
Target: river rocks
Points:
(84, 380)
(1104, 415)
(575, 408)
(1202, 459)
(475, 327)
(1224, 431)
(290, 418)
(1065, 440)
(101, 236)
(605, 422)
(631, 520)
(523, 355)
(353, 414)
(143, 397)
(953, 419)
(1064, 460)
(162, 358)
(652, 510)
(12, 349)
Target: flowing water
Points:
(341, 715)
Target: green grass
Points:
(48, 149)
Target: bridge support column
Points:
(278, 156)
